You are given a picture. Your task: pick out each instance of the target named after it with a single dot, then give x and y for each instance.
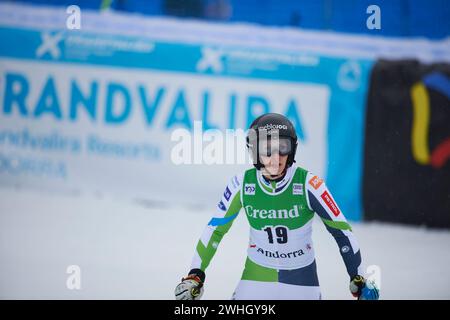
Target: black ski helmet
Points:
(270, 122)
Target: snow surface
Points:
(135, 249)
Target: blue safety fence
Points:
(402, 18)
(399, 18)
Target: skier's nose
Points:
(274, 159)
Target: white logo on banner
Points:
(50, 45)
(211, 59)
(349, 76)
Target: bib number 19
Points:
(280, 233)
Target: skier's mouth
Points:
(275, 168)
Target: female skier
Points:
(279, 199)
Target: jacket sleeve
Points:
(323, 204)
(226, 211)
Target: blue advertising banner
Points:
(82, 109)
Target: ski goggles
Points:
(283, 146)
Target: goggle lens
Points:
(282, 146)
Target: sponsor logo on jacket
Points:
(227, 194)
(330, 203)
(297, 188)
(249, 189)
(278, 255)
(221, 206)
(315, 182)
(272, 214)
